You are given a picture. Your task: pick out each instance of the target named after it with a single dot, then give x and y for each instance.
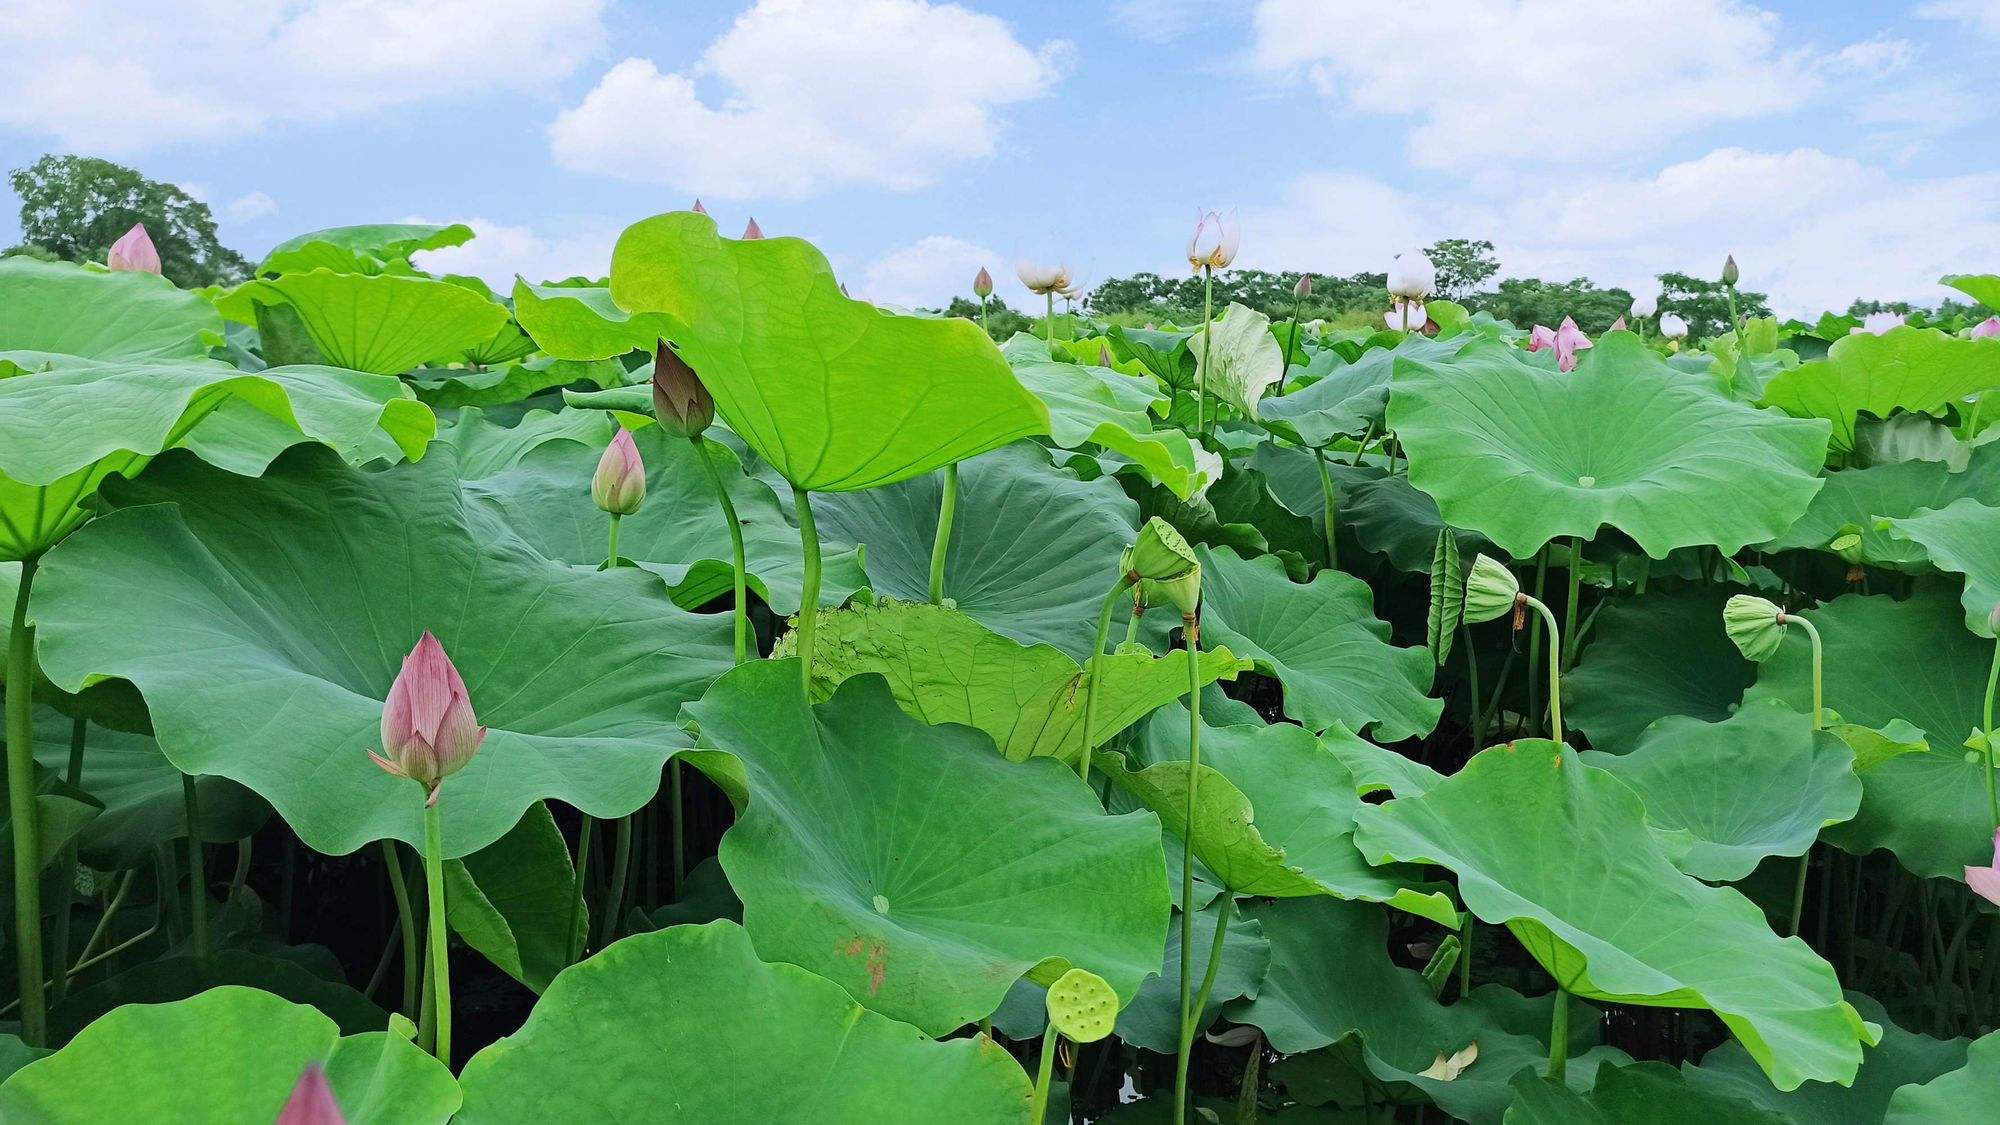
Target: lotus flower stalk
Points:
(21, 808)
(197, 868)
(1211, 247)
(809, 594)
(941, 543)
(1757, 626)
(1491, 592)
(1191, 633)
(683, 404)
(1045, 281)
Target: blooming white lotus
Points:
(1877, 324)
(1407, 316)
(1212, 246)
(1412, 276)
(1645, 304)
(1042, 280)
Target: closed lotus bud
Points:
(428, 729)
(982, 286)
(1491, 590)
(1730, 273)
(1673, 327)
(1212, 246)
(1877, 324)
(1986, 328)
(1160, 553)
(699, 209)
(134, 252)
(752, 231)
(681, 401)
(619, 486)
(1645, 305)
(312, 1101)
(1103, 356)
(1757, 625)
(1304, 287)
(1412, 276)
(1618, 325)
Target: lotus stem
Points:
(742, 604)
(197, 867)
(1818, 722)
(79, 730)
(1044, 1071)
(1326, 501)
(1466, 928)
(809, 596)
(1986, 728)
(621, 868)
(440, 960)
(611, 554)
(1559, 1037)
(1049, 323)
(21, 806)
(1729, 291)
(406, 916)
(1548, 617)
(1223, 914)
(680, 836)
(947, 508)
(1132, 624)
(1569, 632)
(103, 923)
(1090, 671)
(1361, 450)
(1192, 626)
(1207, 334)
(1477, 714)
(576, 929)
(1291, 338)
(982, 317)
(1535, 639)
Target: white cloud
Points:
(1980, 15)
(1543, 81)
(1161, 21)
(499, 251)
(929, 272)
(1813, 230)
(814, 94)
(122, 76)
(249, 207)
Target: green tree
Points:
(75, 207)
(1528, 301)
(1704, 304)
(1001, 321)
(1463, 265)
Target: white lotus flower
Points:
(1041, 279)
(1213, 244)
(1645, 304)
(1412, 276)
(1407, 316)
(1673, 327)
(1877, 324)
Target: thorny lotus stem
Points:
(1986, 728)
(621, 867)
(1192, 628)
(440, 963)
(1222, 917)
(947, 508)
(1555, 671)
(413, 966)
(742, 604)
(21, 806)
(1201, 373)
(1559, 1037)
(197, 867)
(809, 595)
(1044, 1071)
(1326, 500)
(1090, 671)
(576, 930)
(66, 886)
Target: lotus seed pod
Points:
(1847, 545)
(1083, 1006)
(1160, 554)
(1757, 625)
(1490, 591)
(1183, 593)
(619, 485)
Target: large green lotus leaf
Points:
(1391, 518)
(1760, 783)
(55, 308)
(1330, 978)
(1524, 454)
(1153, 1019)
(1981, 287)
(1375, 769)
(137, 410)
(1097, 405)
(1657, 654)
(486, 447)
(1914, 369)
(678, 534)
(835, 393)
(687, 1025)
(1910, 660)
(1237, 359)
(1652, 1092)
(583, 322)
(1033, 549)
(1321, 640)
(141, 794)
(1901, 1059)
(452, 387)
(1274, 813)
(382, 323)
(1857, 498)
(915, 867)
(1348, 398)
(365, 248)
(229, 1054)
(512, 900)
(1965, 1095)
(1164, 353)
(264, 620)
(1961, 538)
(944, 667)
(1561, 854)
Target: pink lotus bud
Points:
(620, 484)
(428, 729)
(699, 209)
(1985, 328)
(1303, 288)
(681, 401)
(1618, 325)
(312, 1101)
(134, 252)
(1103, 356)
(982, 286)
(1985, 881)
(753, 231)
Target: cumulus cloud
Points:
(499, 251)
(929, 272)
(123, 76)
(248, 207)
(813, 94)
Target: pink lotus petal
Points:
(134, 252)
(312, 1101)
(1541, 337)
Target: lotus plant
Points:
(982, 288)
(1566, 341)
(429, 732)
(1045, 281)
(1083, 1007)
(1211, 247)
(1491, 592)
(1412, 276)
(1985, 881)
(1757, 627)
(619, 486)
(1644, 307)
(1301, 290)
(134, 252)
(1730, 275)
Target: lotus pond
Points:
(696, 695)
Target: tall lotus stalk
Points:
(1211, 247)
(941, 544)
(1301, 290)
(1757, 626)
(197, 867)
(618, 489)
(1184, 592)
(1045, 281)
(809, 592)
(1158, 555)
(429, 732)
(1492, 591)
(21, 807)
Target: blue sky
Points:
(1840, 150)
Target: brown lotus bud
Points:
(680, 401)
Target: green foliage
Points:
(74, 207)
(1704, 304)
